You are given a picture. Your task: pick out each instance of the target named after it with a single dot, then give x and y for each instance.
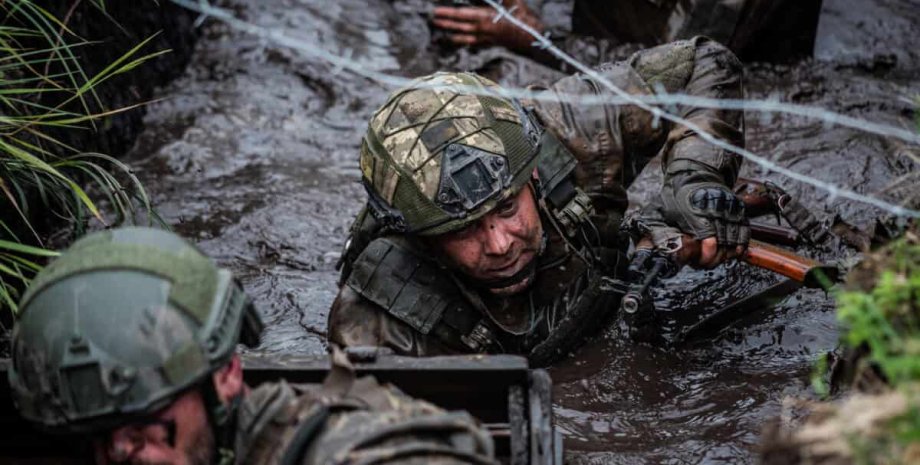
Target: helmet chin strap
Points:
(222, 418)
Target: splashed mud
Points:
(253, 154)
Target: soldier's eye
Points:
(464, 231)
(507, 208)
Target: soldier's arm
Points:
(355, 321)
(696, 195)
(614, 142)
(703, 68)
(612, 139)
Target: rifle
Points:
(803, 270)
(758, 198)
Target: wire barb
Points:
(646, 102)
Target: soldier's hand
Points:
(476, 25)
(706, 253)
(710, 215)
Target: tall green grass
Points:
(45, 92)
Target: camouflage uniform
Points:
(395, 294)
(353, 421)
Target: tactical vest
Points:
(372, 423)
(400, 277)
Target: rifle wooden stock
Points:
(804, 270)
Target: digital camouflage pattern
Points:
(612, 144)
(402, 153)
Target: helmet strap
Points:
(222, 418)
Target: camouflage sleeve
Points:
(356, 321)
(394, 428)
(614, 142)
(703, 68)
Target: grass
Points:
(886, 318)
(880, 311)
(45, 92)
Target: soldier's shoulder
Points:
(397, 276)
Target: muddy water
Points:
(253, 154)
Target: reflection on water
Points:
(253, 154)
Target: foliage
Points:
(884, 318)
(45, 92)
(887, 318)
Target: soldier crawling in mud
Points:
(494, 225)
(130, 339)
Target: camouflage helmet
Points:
(434, 159)
(120, 325)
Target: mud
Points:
(253, 154)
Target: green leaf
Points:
(27, 249)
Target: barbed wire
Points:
(660, 98)
(832, 190)
(621, 97)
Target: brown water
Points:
(253, 154)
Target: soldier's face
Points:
(177, 435)
(180, 434)
(499, 246)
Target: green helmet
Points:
(119, 325)
(434, 159)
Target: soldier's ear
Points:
(228, 380)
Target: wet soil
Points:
(252, 153)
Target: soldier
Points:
(493, 225)
(130, 337)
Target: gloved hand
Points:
(705, 209)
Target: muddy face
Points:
(253, 154)
(177, 435)
(497, 251)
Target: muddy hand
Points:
(706, 253)
(476, 25)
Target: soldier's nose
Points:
(497, 241)
(122, 445)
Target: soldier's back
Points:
(355, 422)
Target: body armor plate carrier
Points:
(403, 280)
